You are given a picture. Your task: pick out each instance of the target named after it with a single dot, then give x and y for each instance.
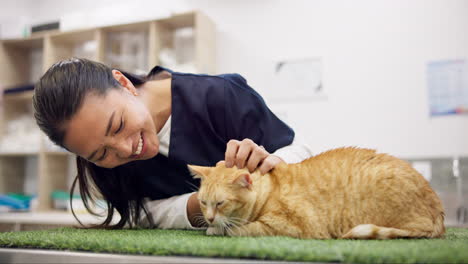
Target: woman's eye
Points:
(120, 127)
(103, 155)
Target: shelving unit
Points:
(23, 61)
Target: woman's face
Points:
(112, 129)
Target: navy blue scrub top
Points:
(207, 112)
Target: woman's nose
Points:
(123, 147)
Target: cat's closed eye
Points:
(219, 203)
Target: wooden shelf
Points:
(25, 43)
(17, 67)
(20, 96)
(138, 26)
(18, 154)
(73, 37)
(56, 153)
(180, 20)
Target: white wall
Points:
(13, 16)
(374, 55)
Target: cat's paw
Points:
(215, 231)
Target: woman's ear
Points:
(124, 82)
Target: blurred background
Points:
(388, 75)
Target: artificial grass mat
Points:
(453, 248)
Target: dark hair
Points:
(57, 97)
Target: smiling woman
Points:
(134, 135)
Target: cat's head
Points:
(225, 194)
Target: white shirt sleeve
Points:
(170, 213)
(298, 151)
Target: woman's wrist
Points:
(194, 212)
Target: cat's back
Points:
(345, 157)
(353, 162)
(328, 194)
(335, 166)
(349, 174)
(331, 176)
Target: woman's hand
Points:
(246, 153)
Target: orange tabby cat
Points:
(342, 193)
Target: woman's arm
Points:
(194, 213)
(177, 212)
(298, 151)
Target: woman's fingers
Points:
(256, 157)
(231, 152)
(269, 163)
(245, 153)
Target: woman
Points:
(133, 136)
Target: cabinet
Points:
(32, 163)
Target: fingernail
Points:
(228, 164)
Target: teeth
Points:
(140, 146)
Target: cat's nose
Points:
(210, 219)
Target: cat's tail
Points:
(439, 227)
(370, 231)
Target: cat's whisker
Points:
(225, 226)
(199, 222)
(242, 230)
(239, 224)
(199, 219)
(240, 221)
(228, 230)
(238, 218)
(235, 223)
(194, 187)
(230, 225)
(234, 226)
(198, 215)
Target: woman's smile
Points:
(140, 148)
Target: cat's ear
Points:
(198, 172)
(243, 180)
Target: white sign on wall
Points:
(298, 79)
(448, 87)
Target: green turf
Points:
(451, 249)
